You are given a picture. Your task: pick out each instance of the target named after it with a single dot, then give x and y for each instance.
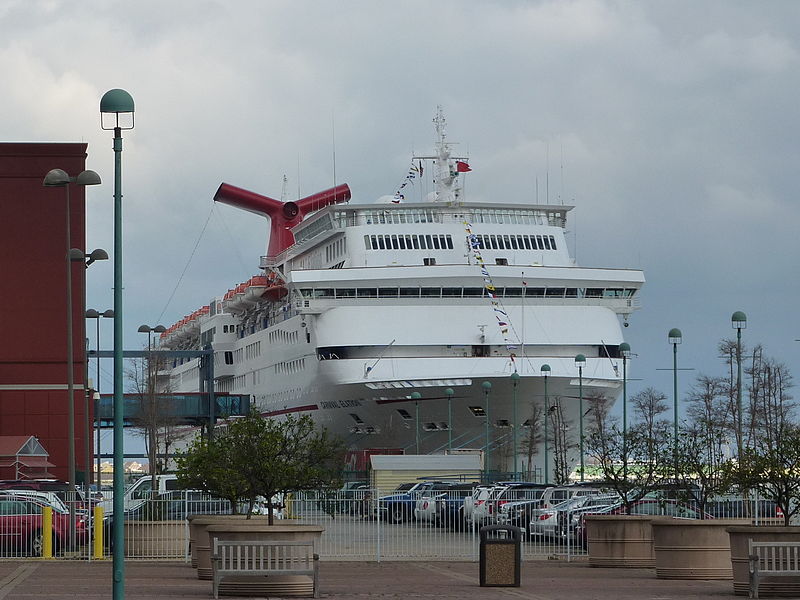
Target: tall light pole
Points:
(76, 255)
(545, 373)
(625, 351)
(514, 382)
(449, 393)
(415, 396)
(739, 322)
(95, 314)
(487, 387)
(60, 178)
(580, 362)
(150, 418)
(118, 103)
(675, 338)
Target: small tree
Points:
(637, 459)
(255, 457)
(773, 470)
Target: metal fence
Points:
(358, 525)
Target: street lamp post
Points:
(150, 418)
(514, 382)
(59, 178)
(580, 362)
(118, 103)
(76, 255)
(415, 396)
(95, 314)
(545, 373)
(739, 322)
(675, 338)
(487, 387)
(449, 393)
(625, 351)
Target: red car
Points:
(21, 527)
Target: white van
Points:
(142, 489)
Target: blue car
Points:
(398, 506)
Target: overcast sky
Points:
(671, 126)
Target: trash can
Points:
(500, 555)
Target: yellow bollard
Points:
(47, 532)
(97, 528)
(288, 502)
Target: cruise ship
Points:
(422, 325)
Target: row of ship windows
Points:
(283, 337)
(408, 242)
(334, 250)
(481, 215)
(252, 351)
(477, 411)
(290, 366)
(515, 242)
(468, 292)
(229, 384)
(401, 216)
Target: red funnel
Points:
(283, 215)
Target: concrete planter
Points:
(155, 539)
(200, 543)
(620, 541)
(770, 586)
(278, 585)
(693, 549)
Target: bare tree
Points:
(633, 460)
(534, 436)
(563, 442)
(155, 418)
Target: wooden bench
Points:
(772, 559)
(264, 558)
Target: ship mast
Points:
(447, 187)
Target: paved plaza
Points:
(541, 580)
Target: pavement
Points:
(541, 580)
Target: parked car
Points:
(21, 529)
(544, 522)
(177, 505)
(570, 521)
(645, 506)
(444, 505)
(480, 494)
(736, 508)
(61, 488)
(487, 511)
(518, 513)
(399, 506)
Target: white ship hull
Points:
(401, 325)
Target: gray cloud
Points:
(671, 126)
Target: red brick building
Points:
(33, 319)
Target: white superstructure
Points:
(374, 304)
